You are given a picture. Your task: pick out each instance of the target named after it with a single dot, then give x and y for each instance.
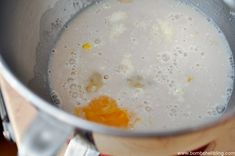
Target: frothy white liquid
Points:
(161, 59)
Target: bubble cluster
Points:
(229, 92)
(175, 17)
(55, 97)
(231, 61)
(172, 110)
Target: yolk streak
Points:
(87, 46)
(189, 79)
(104, 110)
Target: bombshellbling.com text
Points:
(209, 153)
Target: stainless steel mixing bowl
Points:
(29, 30)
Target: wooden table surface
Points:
(20, 112)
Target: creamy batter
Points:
(162, 60)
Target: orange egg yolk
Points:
(104, 110)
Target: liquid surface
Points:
(163, 61)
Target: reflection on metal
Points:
(231, 4)
(44, 136)
(80, 147)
